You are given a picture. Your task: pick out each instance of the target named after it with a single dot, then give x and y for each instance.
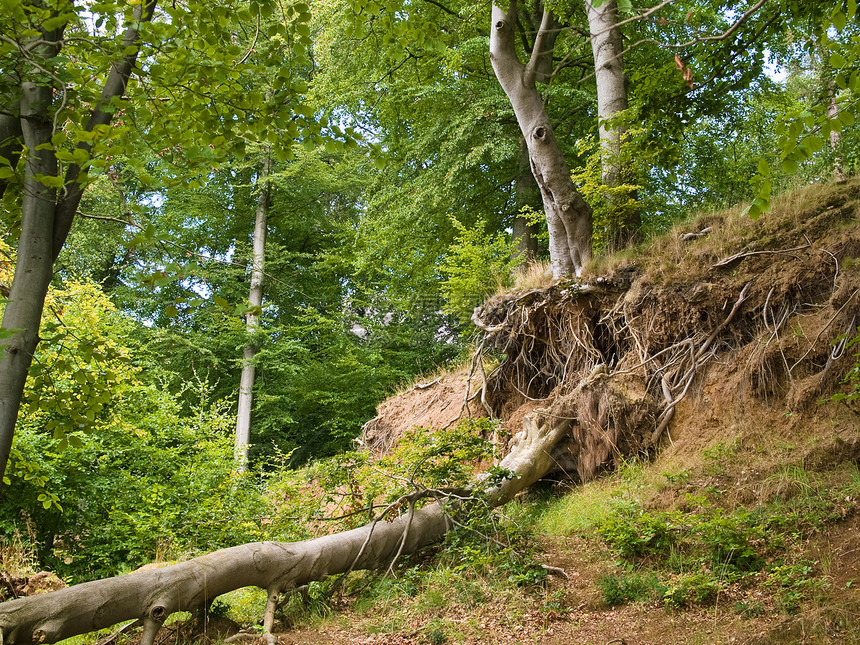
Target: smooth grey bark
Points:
(152, 596)
(252, 318)
(45, 219)
(835, 135)
(34, 262)
(607, 47)
(568, 216)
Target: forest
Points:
(330, 298)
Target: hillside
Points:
(707, 356)
(705, 488)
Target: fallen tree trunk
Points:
(151, 596)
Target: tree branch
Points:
(102, 114)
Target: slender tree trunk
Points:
(607, 46)
(34, 263)
(10, 143)
(568, 216)
(252, 318)
(835, 135)
(45, 221)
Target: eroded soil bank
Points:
(718, 344)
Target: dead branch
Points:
(739, 256)
(490, 329)
(424, 386)
(686, 237)
(555, 571)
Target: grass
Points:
(17, 558)
(534, 275)
(580, 511)
(666, 257)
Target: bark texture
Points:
(252, 319)
(34, 265)
(527, 194)
(45, 219)
(607, 47)
(153, 595)
(568, 216)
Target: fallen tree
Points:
(279, 568)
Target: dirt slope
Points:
(701, 349)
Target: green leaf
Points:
(837, 60)
(51, 181)
(789, 165)
(838, 19)
(815, 143)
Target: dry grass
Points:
(16, 558)
(669, 257)
(534, 275)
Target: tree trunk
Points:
(526, 193)
(607, 46)
(45, 222)
(34, 264)
(33, 267)
(568, 216)
(835, 135)
(276, 567)
(252, 318)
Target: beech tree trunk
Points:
(526, 193)
(45, 219)
(153, 595)
(568, 216)
(607, 47)
(252, 318)
(835, 135)
(34, 264)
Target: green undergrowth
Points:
(703, 550)
(488, 561)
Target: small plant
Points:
(718, 455)
(618, 589)
(435, 632)
(691, 589)
(728, 538)
(555, 604)
(794, 583)
(633, 532)
(750, 609)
